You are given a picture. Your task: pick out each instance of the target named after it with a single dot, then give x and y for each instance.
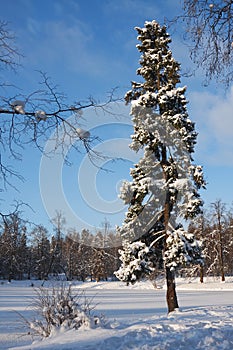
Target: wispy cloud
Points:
(60, 42)
(148, 10)
(73, 48)
(214, 116)
(134, 7)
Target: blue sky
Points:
(87, 48)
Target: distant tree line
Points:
(37, 254)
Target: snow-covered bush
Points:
(59, 308)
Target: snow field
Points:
(136, 317)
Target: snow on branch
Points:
(182, 249)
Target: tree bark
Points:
(201, 274)
(172, 302)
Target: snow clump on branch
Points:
(18, 106)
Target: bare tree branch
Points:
(8, 50)
(209, 34)
(33, 118)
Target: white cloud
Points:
(214, 116)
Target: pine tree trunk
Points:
(172, 302)
(201, 274)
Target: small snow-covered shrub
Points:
(59, 308)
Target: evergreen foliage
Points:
(165, 182)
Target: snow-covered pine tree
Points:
(164, 183)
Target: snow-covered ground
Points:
(136, 317)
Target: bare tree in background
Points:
(13, 244)
(209, 32)
(220, 229)
(31, 119)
